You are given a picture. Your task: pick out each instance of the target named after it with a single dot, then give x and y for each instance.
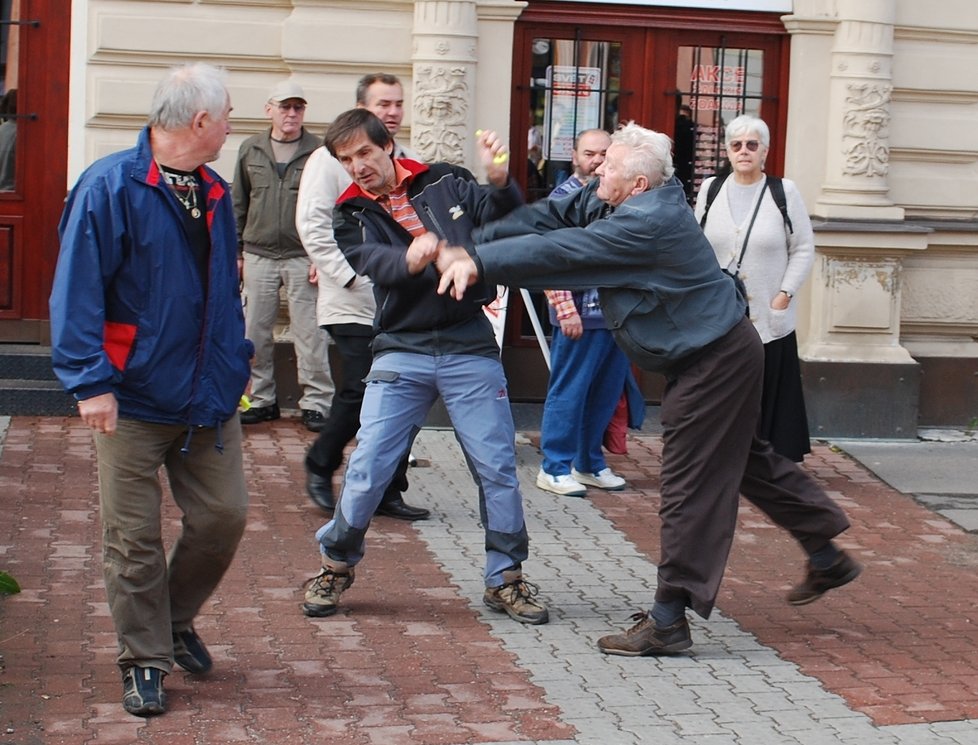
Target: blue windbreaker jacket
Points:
(128, 313)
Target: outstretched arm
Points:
(577, 209)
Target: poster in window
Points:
(574, 105)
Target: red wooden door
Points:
(34, 57)
(579, 65)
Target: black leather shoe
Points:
(313, 420)
(190, 652)
(320, 490)
(257, 414)
(401, 510)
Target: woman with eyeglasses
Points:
(773, 253)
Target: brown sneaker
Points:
(819, 581)
(517, 597)
(324, 590)
(645, 638)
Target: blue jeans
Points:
(401, 389)
(587, 377)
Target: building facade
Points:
(872, 106)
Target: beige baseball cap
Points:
(287, 90)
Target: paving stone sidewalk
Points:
(415, 658)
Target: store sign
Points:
(713, 84)
(574, 105)
(767, 6)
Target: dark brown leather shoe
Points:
(401, 510)
(819, 581)
(645, 638)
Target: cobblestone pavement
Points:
(414, 657)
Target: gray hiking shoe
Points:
(323, 591)
(517, 597)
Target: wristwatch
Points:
(788, 294)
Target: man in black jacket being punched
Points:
(390, 224)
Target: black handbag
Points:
(741, 288)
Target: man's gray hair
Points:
(185, 91)
(650, 153)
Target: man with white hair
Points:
(147, 333)
(672, 310)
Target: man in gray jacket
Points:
(266, 184)
(672, 310)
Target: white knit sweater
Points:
(774, 260)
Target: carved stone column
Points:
(444, 61)
(858, 152)
(859, 380)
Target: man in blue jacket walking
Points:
(148, 335)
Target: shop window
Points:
(575, 86)
(715, 85)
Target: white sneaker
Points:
(564, 484)
(603, 479)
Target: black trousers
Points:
(325, 455)
(711, 454)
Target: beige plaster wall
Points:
(932, 176)
(933, 157)
(325, 45)
(123, 46)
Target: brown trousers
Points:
(151, 595)
(710, 454)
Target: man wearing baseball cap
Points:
(271, 256)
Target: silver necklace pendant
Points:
(189, 202)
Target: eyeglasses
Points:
(735, 145)
(298, 108)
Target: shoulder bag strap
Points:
(750, 226)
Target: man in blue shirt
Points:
(587, 369)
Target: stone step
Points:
(20, 397)
(25, 362)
